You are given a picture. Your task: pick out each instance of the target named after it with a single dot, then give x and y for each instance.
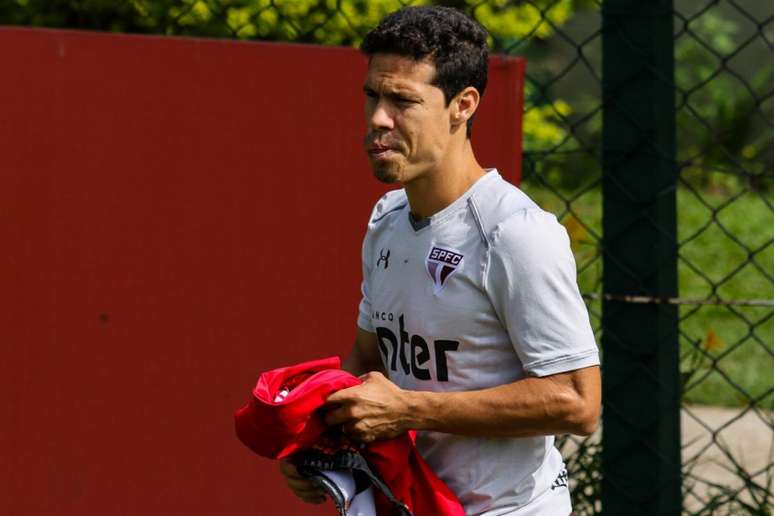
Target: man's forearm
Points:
(354, 364)
(364, 356)
(529, 407)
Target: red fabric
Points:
(278, 429)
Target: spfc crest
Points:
(441, 263)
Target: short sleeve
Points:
(364, 310)
(531, 280)
(391, 201)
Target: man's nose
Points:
(380, 118)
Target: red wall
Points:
(176, 215)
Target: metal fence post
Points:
(641, 421)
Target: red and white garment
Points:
(284, 419)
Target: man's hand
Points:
(302, 487)
(374, 410)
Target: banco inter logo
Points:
(413, 354)
(441, 264)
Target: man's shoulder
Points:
(499, 203)
(516, 229)
(387, 206)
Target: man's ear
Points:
(464, 105)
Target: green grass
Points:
(727, 356)
(714, 263)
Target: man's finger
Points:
(305, 489)
(338, 416)
(316, 496)
(289, 470)
(343, 395)
(348, 429)
(371, 375)
(313, 499)
(303, 484)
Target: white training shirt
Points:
(483, 295)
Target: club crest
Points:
(441, 264)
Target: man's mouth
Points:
(377, 151)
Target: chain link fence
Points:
(725, 124)
(723, 163)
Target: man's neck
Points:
(437, 189)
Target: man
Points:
(470, 303)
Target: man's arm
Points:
(557, 404)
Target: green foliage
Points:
(333, 22)
(329, 22)
(726, 353)
(726, 342)
(721, 117)
(544, 127)
(508, 21)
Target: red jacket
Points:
(277, 429)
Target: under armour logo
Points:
(383, 256)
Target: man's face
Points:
(409, 124)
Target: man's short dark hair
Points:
(454, 43)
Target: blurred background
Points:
(708, 209)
